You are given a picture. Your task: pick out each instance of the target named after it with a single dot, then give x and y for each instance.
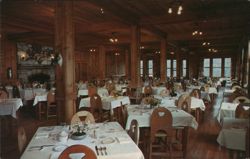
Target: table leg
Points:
(38, 110)
(184, 141)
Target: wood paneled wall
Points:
(115, 64)
(8, 60)
(88, 63)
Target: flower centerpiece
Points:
(153, 102)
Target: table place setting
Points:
(107, 140)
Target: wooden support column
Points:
(102, 62)
(163, 60)
(59, 31)
(248, 72)
(64, 42)
(223, 67)
(127, 64)
(135, 56)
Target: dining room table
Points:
(108, 140)
(100, 92)
(226, 110)
(181, 119)
(233, 134)
(155, 90)
(108, 103)
(10, 106)
(30, 93)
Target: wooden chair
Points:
(186, 105)
(199, 115)
(247, 143)
(161, 122)
(120, 114)
(196, 93)
(3, 94)
(110, 87)
(89, 153)
(51, 105)
(241, 112)
(148, 91)
(15, 92)
(236, 87)
(22, 139)
(97, 110)
(146, 100)
(92, 90)
(181, 99)
(184, 86)
(134, 131)
(82, 116)
(135, 94)
(237, 93)
(241, 99)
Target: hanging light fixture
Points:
(170, 10)
(197, 31)
(173, 4)
(113, 39)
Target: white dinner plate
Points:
(108, 140)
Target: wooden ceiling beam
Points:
(27, 24)
(126, 16)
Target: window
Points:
(174, 68)
(169, 68)
(217, 67)
(227, 67)
(206, 67)
(184, 68)
(150, 68)
(141, 68)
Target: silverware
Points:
(96, 149)
(100, 149)
(105, 150)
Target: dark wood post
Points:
(135, 56)
(102, 63)
(163, 59)
(64, 42)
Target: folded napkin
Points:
(122, 139)
(42, 135)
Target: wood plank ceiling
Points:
(224, 23)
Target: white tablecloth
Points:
(120, 147)
(100, 91)
(107, 102)
(30, 93)
(10, 106)
(212, 90)
(9, 90)
(121, 87)
(167, 101)
(226, 110)
(233, 134)
(197, 103)
(180, 117)
(40, 98)
(190, 88)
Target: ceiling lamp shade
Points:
(175, 4)
(113, 39)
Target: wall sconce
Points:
(9, 73)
